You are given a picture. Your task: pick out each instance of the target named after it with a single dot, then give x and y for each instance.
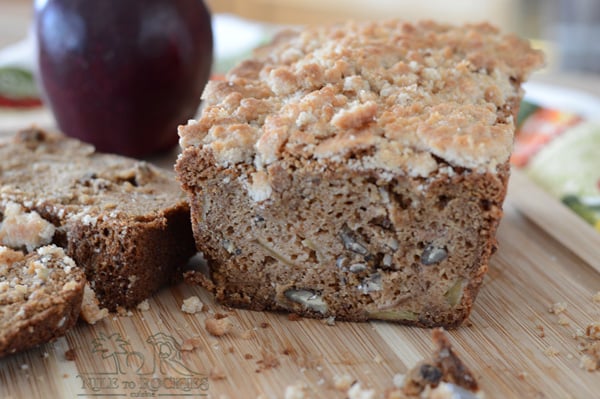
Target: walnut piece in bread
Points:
(125, 222)
(357, 171)
(40, 297)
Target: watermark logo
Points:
(158, 371)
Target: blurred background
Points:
(566, 29)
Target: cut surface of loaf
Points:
(357, 171)
(40, 297)
(124, 222)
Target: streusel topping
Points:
(388, 95)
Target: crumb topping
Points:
(90, 307)
(32, 283)
(398, 96)
(21, 229)
(71, 181)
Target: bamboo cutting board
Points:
(515, 347)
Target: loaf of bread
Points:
(357, 171)
(40, 297)
(123, 221)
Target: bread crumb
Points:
(192, 305)
(588, 363)
(144, 306)
(24, 366)
(218, 327)
(378, 359)
(123, 312)
(216, 374)
(592, 331)
(191, 343)
(551, 351)
(264, 324)
(296, 391)
(522, 375)
(578, 333)
(70, 355)
(247, 334)
(540, 330)
(563, 320)
(268, 361)
(343, 382)
(356, 392)
(398, 380)
(596, 297)
(90, 307)
(330, 321)
(443, 366)
(248, 356)
(558, 307)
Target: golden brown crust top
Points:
(396, 94)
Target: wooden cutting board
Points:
(514, 345)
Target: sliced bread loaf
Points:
(124, 222)
(40, 297)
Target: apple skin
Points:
(123, 74)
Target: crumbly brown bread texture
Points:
(40, 297)
(123, 221)
(357, 171)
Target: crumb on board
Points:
(144, 306)
(247, 334)
(541, 332)
(551, 351)
(444, 366)
(295, 391)
(588, 362)
(248, 356)
(218, 327)
(343, 382)
(192, 305)
(357, 392)
(191, 343)
(398, 380)
(70, 355)
(563, 320)
(216, 374)
(268, 361)
(123, 312)
(558, 307)
(592, 331)
(596, 297)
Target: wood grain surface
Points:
(514, 345)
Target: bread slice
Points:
(123, 221)
(40, 297)
(357, 171)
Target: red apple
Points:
(122, 74)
